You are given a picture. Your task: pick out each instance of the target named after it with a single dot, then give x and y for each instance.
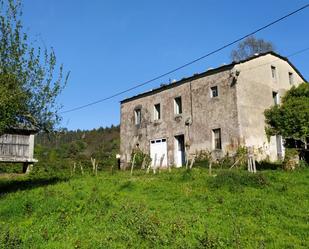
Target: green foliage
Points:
(268, 165)
(241, 156)
(140, 156)
(237, 179)
(58, 151)
(29, 78)
(203, 158)
(234, 209)
(291, 159)
(291, 118)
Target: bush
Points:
(291, 159)
(140, 156)
(267, 165)
(203, 158)
(235, 179)
(241, 156)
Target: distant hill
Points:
(62, 149)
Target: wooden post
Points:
(187, 160)
(210, 164)
(161, 161)
(143, 163)
(253, 164)
(132, 164)
(94, 166)
(29, 169)
(192, 162)
(81, 168)
(74, 168)
(154, 164)
(25, 167)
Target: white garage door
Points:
(158, 150)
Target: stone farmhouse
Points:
(217, 111)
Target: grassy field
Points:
(181, 209)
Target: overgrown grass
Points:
(181, 209)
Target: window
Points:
(214, 91)
(138, 116)
(291, 78)
(178, 105)
(276, 98)
(273, 72)
(217, 139)
(157, 112)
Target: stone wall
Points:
(200, 115)
(237, 111)
(255, 87)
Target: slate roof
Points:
(209, 72)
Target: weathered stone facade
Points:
(244, 90)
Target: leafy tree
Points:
(291, 118)
(249, 47)
(30, 80)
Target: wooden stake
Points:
(74, 168)
(143, 163)
(210, 164)
(155, 164)
(133, 162)
(187, 160)
(192, 162)
(81, 168)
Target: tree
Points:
(249, 47)
(30, 80)
(291, 118)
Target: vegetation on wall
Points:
(290, 119)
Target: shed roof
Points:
(206, 73)
(22, 128)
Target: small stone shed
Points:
(16, 146)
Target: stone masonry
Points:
(244, 90)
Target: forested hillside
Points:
(95, 142)
(60, 150)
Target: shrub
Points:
(241, 156)
(266, 164)
(291, 159)
(140, 156)
(203, 158)
(238, 179)
(225, 162)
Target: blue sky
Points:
(112, 45)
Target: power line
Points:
(268, 63)
(188, 63)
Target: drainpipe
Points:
(190, 121)
(190, 85)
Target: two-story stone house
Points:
(217, 110)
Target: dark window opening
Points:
(275, 98)
(178, 105)
(214, 91)
(273, 72)
(157, 112)
(291, 78)
(217, 139)
(138, 116)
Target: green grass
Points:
(180, 209)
